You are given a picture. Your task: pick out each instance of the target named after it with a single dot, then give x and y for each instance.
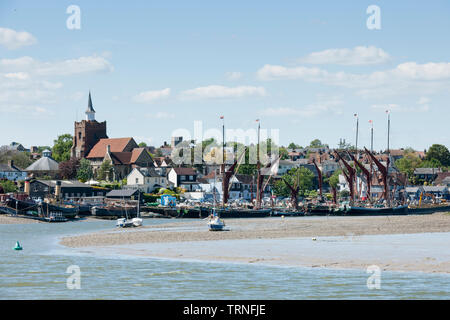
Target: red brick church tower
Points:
(87, 133)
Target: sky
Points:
(154, 68)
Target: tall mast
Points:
(388, 130)
(357, 128)
(224, 192)
(371, 136)
(223, 139)
(258, 168)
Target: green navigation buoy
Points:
(18, 246)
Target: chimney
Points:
(26, 188)
(58, 189)
(108, 149)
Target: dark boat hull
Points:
(114, 212)
(276, 213)
(429, 210)
(243, 213)
(21, 205)
(24, 206)
(67, 212)
(362, 211)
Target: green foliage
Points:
(344, 194)
(284, 154)
(440, 153)
(149, 197)
(142, 144)
(21, 159)
(42, 148)
(333, 180)
(84, 172)
(61, 147)
(311, 194)
(316, 143)
(8, 186)
(105, 171)
(292, 145)
(301, 177)
(408, 164)
(432, 163)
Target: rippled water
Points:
(39, 272)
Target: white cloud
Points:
(26, 82)
(233, 75)
(406, 78)
(322, 106)
(17, 75)
(393, 107)
(427, 71)
(90, 64)
(215, 91)
(150, 96)
(161, 115)
(350, 57)
(12, 39)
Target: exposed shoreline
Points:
(4, 219)
(265, 228)
(339, 242)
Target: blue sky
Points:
(302, 67)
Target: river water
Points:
(40, 272)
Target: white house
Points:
(11, 172)
(185, 178)
(146, 179)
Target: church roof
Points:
(115, 144)
(90, 108)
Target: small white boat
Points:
(128, 223)
(137, 222)
(216, 224)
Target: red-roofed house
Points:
(123, 153)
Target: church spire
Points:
(90, 112)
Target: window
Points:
(137, 180)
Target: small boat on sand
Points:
(128, 223)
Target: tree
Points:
(68, 169)
(292, 145)
(105, 171)
(142, 144)
(42, 148)
(61, 147)
(84, 172)
(316, 143)
(333, 180)
(296, 177)
(8, 186)
(440, 153)
(408, 164)
(21, 159)
(284, 154)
